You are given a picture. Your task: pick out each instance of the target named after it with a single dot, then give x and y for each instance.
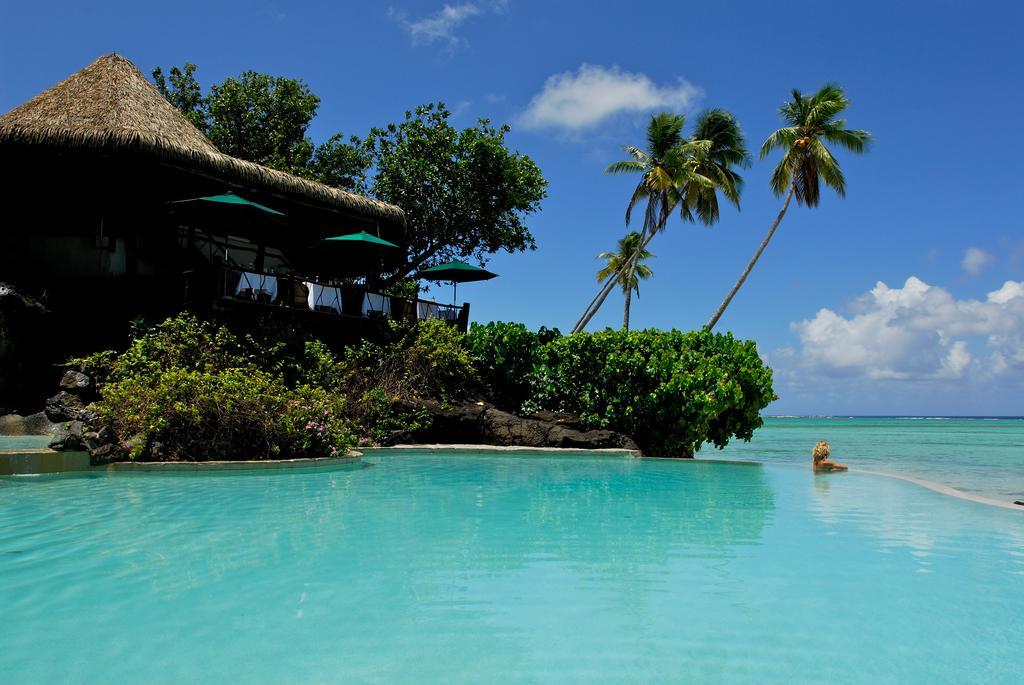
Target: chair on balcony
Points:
(323, 298)
(256, 286)
(427, 310)
(376, 305)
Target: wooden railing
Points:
(345, 300)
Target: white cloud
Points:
(577, 100)
(917, 332)
(975, 260)
(441, 26)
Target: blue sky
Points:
(933, 212)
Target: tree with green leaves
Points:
(464, 193)
(806, 160)
(681, 172)
(264, 119)
(627, 279)
(184, 92)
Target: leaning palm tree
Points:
(806, 160)
(627, 279)
(676, 171)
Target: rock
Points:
(91, 440)
(592, 439)
(69, 436)
(485, 424)
(33, 424)
(105, 435)
(558, 417)
(104, 454)
(63, 407)
(88, 416)
(78, 384)
(75, 382)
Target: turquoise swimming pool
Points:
(14, 443)
(422, 568)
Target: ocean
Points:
(981, 456)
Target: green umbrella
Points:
(362, 238)
(232, 200)
(457, 272)
(352, 252)
(253, 218)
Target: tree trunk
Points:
(610, 283)
(625, 310)
(590, 306)
(746, 272)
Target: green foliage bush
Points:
(189, 389)
(426, 360)
(192, 390)
(669, 391)
(505, 356)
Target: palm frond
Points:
(781, 138)
(638, 154)
(855, 141)
(828, 168)
(625, 167)
(782, 175)
(664, 132)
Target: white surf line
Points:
(946, 490)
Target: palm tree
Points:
(806, 161)
(627, 279)
(676, 171)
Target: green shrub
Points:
(222, 415)
(426, 360)
(315, 424)
(379, 417)
(505, 356)
(181, 342)
(242, 413)
(187, 389)
(669, 391)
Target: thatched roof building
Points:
(110, 107)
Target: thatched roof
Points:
(111, 106)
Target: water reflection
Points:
(460, 513)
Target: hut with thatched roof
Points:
(93, 166)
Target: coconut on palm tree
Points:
(679, 172)
(813, 124)
(627, 279)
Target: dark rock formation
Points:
(105, 454)
(63, 407)
(77, 383)
(484, 424)
(33, 424)
(69, 436)
(559, 418)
